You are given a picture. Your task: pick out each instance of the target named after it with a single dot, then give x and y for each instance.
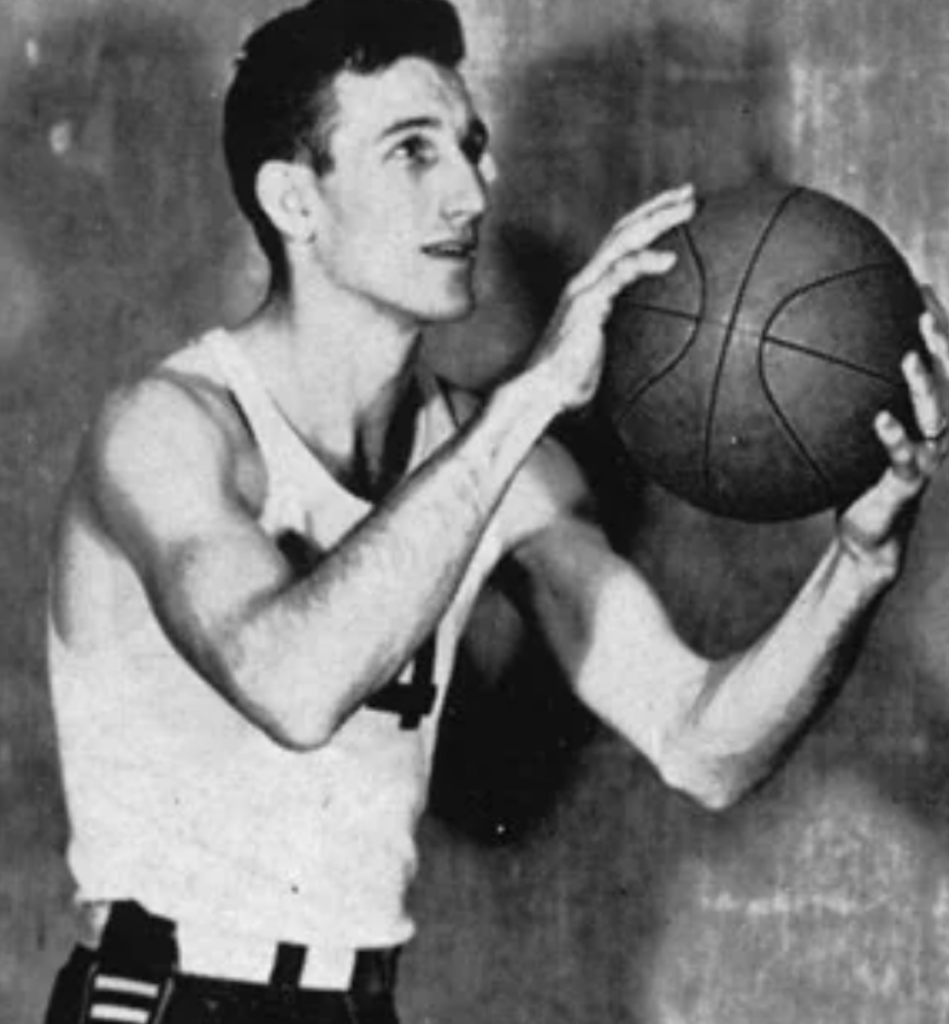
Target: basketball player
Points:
(271, 544)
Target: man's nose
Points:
(468, 188)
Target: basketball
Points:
(746, 380)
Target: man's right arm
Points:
(298, 656)
(295, 655)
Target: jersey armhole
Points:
(461, 404)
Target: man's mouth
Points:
(462, 248)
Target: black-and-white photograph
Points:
(473, 525)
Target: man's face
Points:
(403, 200)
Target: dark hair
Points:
(280, 104)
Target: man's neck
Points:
(344, 377)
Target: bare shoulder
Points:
(160, 444)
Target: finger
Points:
(904, 469)
(873, 514)
(635, 239)
(936, 338)
(597, 297)
(637, 232)
(935, 308)
(668, 197)
(927, 408)
(651, 220)
(631, 267)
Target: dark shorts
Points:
(134, 979)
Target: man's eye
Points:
(415, 149)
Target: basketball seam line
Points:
(730, 330)
(675, 314)
(771, 339)
(765, 332)
(678, 356)
(865, 371)
(820, 283)
(789, 431)
(787, 426)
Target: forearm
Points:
(750, 707)
(312, 653)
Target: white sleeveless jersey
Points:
(177, 801)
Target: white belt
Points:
(241, 957)
(237, 957)
(215, 953)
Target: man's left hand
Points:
(873, 527)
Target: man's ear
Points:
(287, 195)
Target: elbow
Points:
(292, 730)
(295, 735)
(714, 784)
(296, 721)
(298, 700)
(714, 797)
(707, 791)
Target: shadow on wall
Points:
(115, 218)
(594, 131)
(895, 725)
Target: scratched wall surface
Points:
(561, 881)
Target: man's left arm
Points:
(713, 729)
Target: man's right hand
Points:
(570, 355)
